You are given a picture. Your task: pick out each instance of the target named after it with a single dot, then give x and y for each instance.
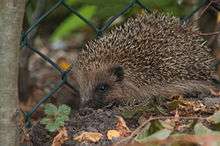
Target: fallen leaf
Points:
(159, 135)
(215, 118)
(113, 134)
(122, 128)
(202, 130)
(176, 116)
(168, 124)
(63, 63)
(60, 138)
(214, 92)
(186, 107)
(88, 137)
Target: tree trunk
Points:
(11, 18)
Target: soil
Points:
(89, 120)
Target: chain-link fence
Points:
(25, 41)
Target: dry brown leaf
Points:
(176, 116)
(214, 92)
(60, 138)
(63, 63)
(122, 127)
(88, 137)
(186, 107)
(177, 120)
(168, 124)
(113, 134)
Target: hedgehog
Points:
(149, 55)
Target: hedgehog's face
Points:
(99, 85)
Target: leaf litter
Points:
(188, 122)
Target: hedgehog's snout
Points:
(84, 100)
(93, 99)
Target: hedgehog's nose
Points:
(84, 101)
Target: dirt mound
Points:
(89, 120)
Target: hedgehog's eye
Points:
(102, 88)
(118, 71)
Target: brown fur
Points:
(151, 54)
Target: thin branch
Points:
(209, 33)
(40, 6)
(203, 11)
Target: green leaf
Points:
(59, 116)
(106, 8)
(70, 2)
(72, 23)
(159, 3)
(144, 133)
(153, 130)
(201, 130)
(215, 117)
(52, 127)
(64, 117)
(45, 120)
(159, 135)
(50, 109)
(155, 126)
(60, 121)
(64, 110)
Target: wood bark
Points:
(11, 18)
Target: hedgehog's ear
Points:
(118, 71)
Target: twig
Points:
(204, 10)
(209, 33)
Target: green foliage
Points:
(215, 118)
(55, 117)
(157, 130)
(70, 2)
(169, 6)
(72, 23)
(103, 9)
(153, 131)
(107, 8)
(159, 135)
(50, 109)
(201, 130)
(155, 126)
